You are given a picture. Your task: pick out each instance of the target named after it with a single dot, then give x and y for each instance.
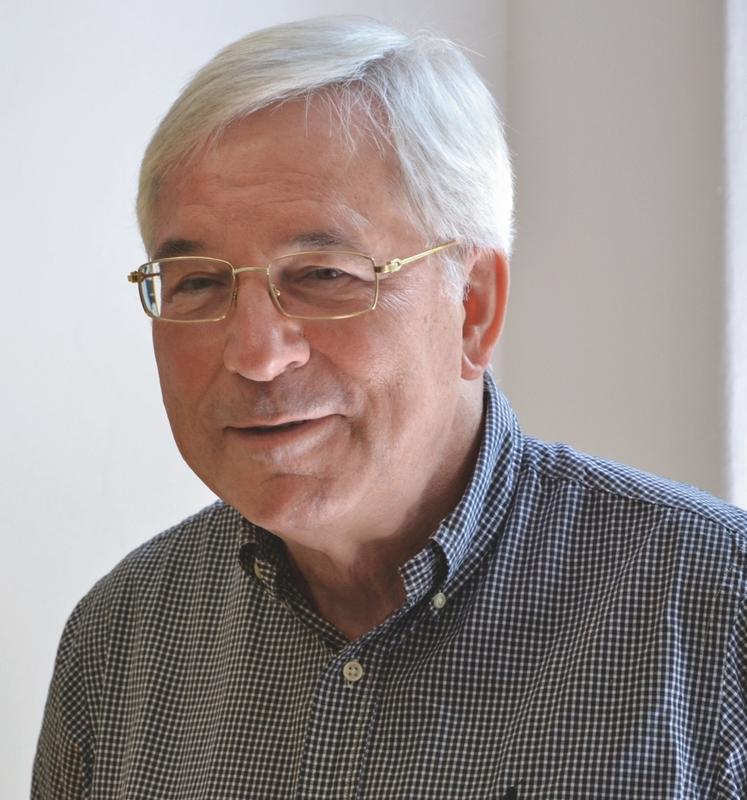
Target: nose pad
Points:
(234, 298)
(275, 297)
(261, 342)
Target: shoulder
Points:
(559, 466)
(187, 545)
(610, 501)
(145, 603)
(171, 565)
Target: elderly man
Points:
(399, 595)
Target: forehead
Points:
(279, 171)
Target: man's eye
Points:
(325, 273)
(198, 283)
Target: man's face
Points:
(378, 404)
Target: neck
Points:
(356, 584)
(355, 594)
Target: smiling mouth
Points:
(271, 441)
(261, 431)
(286, 426)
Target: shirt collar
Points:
(467, 532)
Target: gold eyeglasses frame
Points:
(139, 275)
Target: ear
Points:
(486, 296)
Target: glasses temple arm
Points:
(396, 264)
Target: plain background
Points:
(626, 333)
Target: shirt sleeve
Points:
(60, 765)
(731, 780)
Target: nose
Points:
(262, 343)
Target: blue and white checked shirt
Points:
(573, 629)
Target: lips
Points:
(282, 426)
(281, 431)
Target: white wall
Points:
(88, 467)
(616, 338)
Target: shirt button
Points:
(257, 570)
(352, 671)
(439, 600)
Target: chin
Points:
(290, 503)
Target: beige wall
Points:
(736, 239)
(616, 339)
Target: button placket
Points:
(346, 691)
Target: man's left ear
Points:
(486, 296)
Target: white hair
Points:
(419, 94)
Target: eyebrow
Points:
(178, 247)
(315, 239)
(326, 238)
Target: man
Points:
(399, 594)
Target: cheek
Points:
(409, 365)
(186, 362)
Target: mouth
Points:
(282, 434)
(283, 426)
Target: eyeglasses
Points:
(307, 285)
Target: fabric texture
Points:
(573, 629)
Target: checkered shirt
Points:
(573, 629)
